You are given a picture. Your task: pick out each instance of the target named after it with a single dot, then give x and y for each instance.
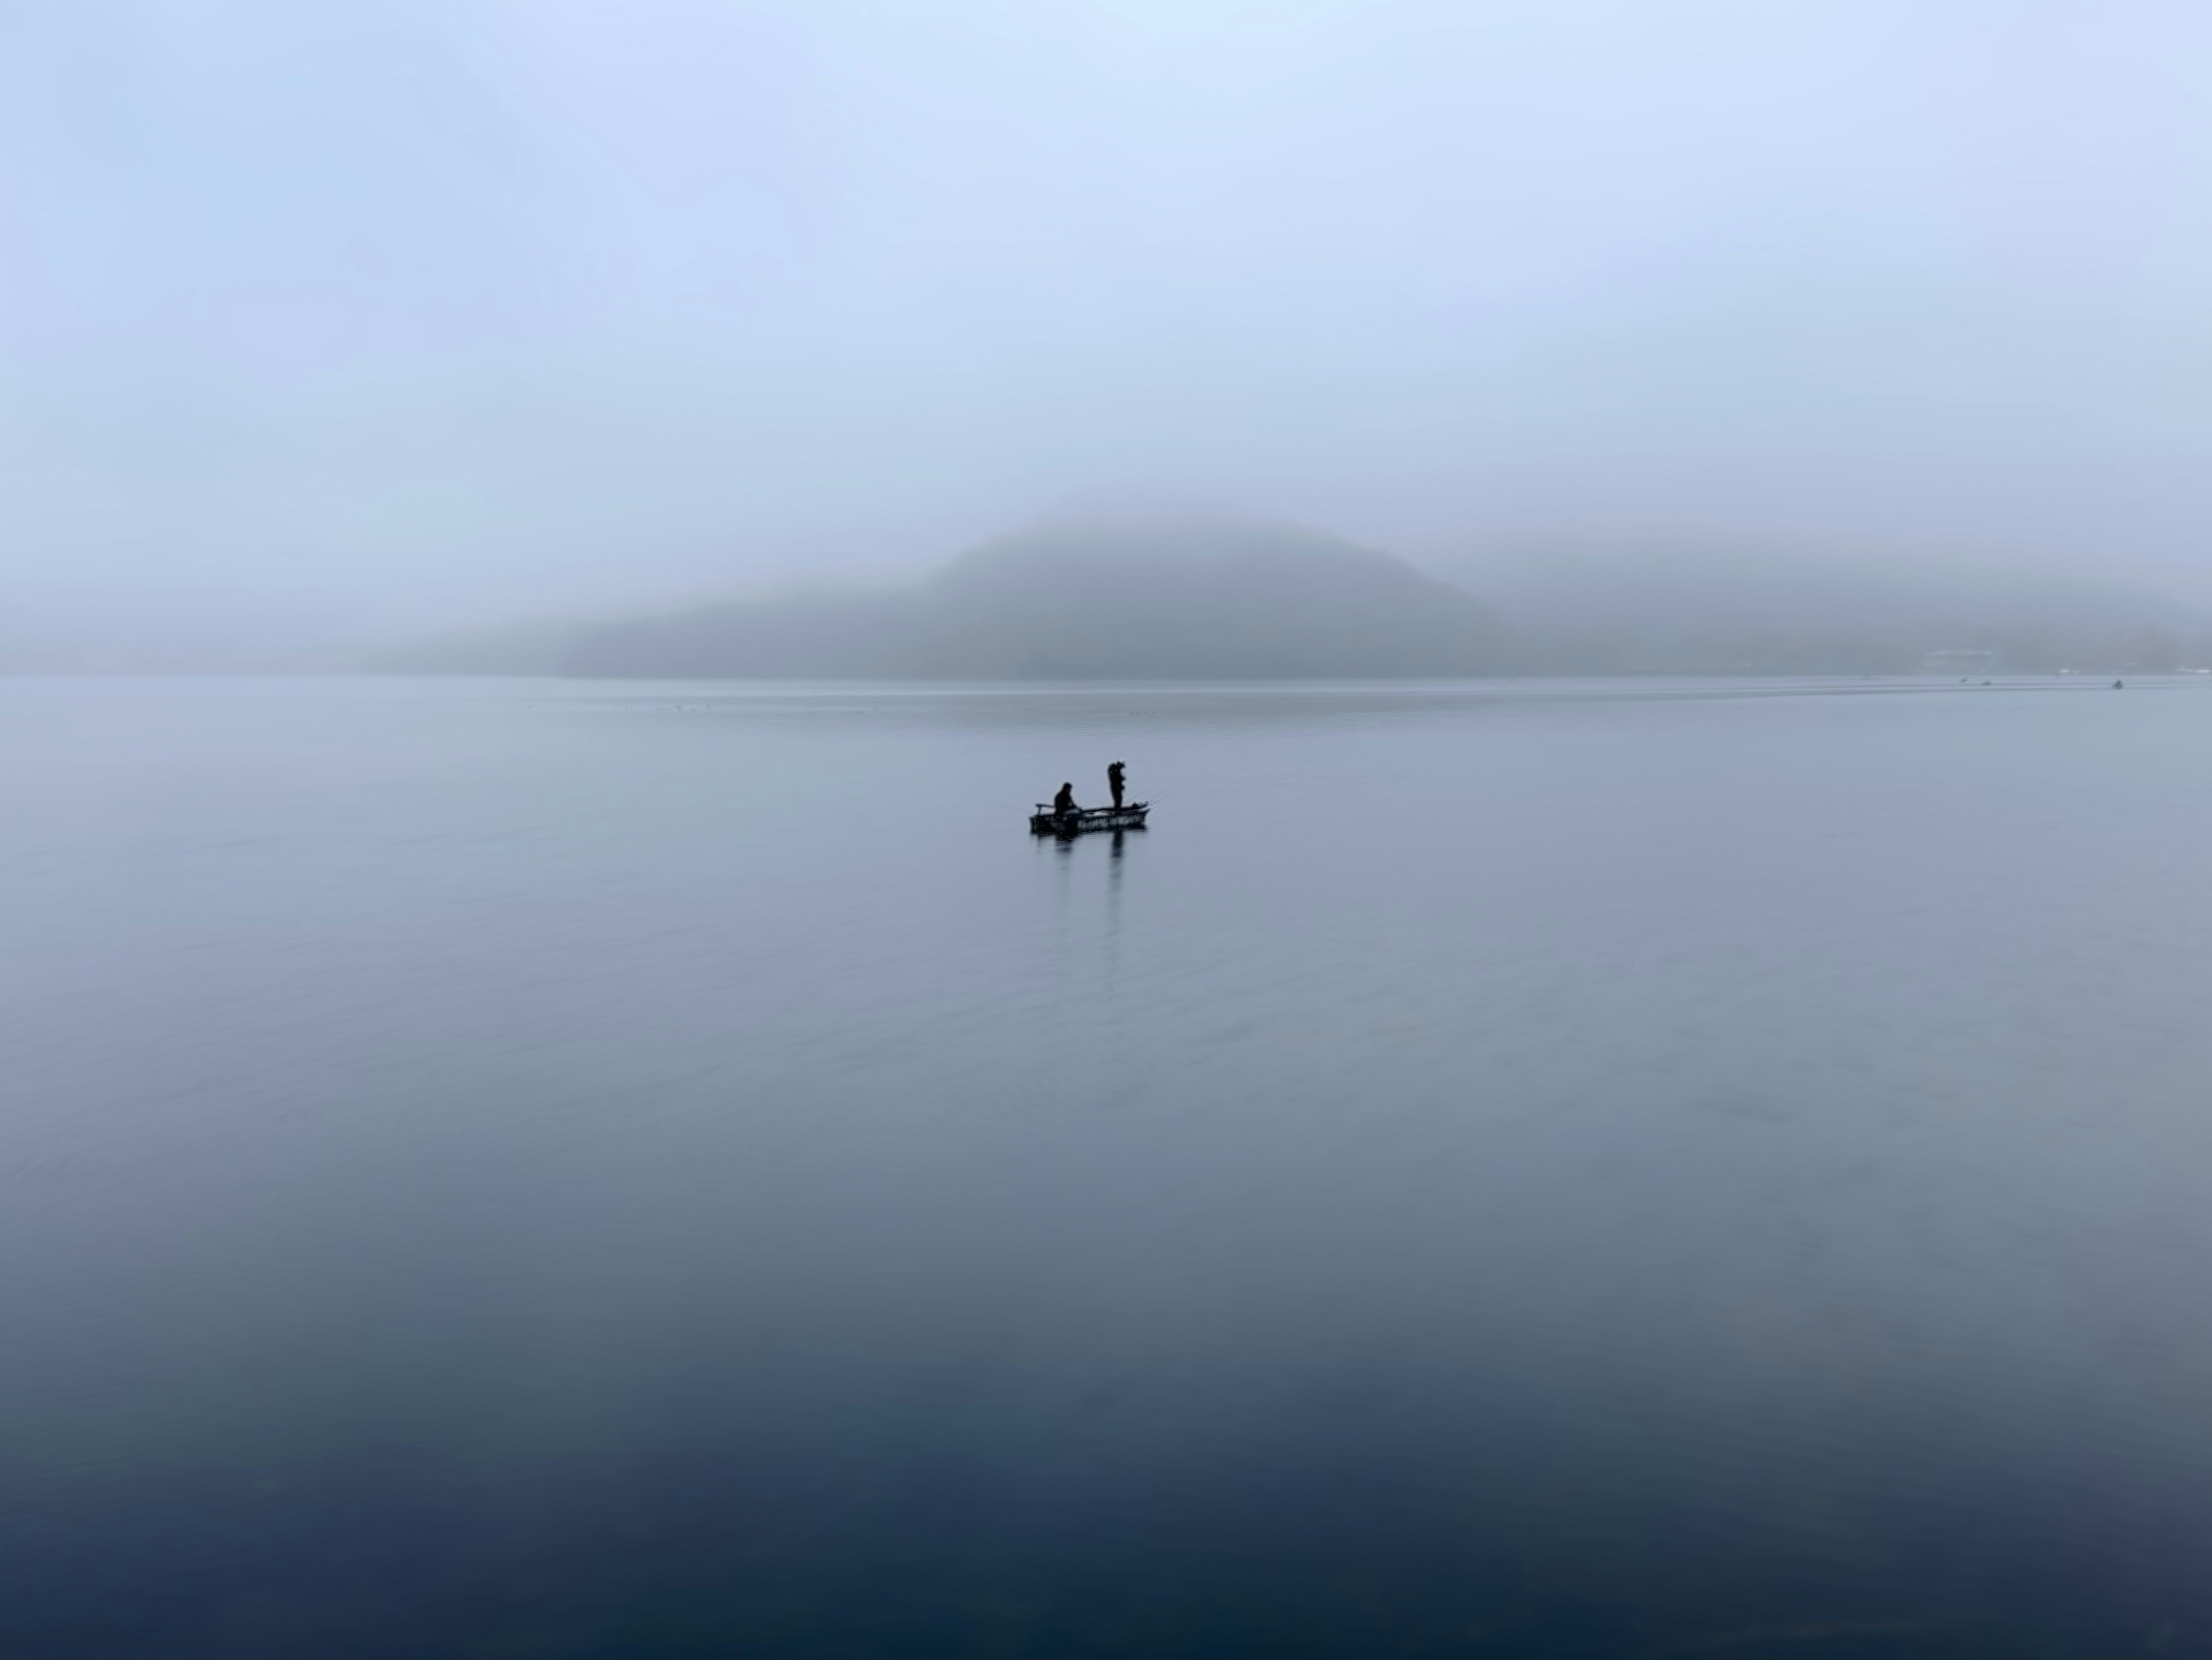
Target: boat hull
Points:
(1045, 822)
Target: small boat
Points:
(1045, 822)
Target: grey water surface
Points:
(510, 1167)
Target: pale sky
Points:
(341, 321)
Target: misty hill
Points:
(1212, 600)
(1155, 601)
(1705, 609)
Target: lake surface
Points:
(520, 1168)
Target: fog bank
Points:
(324, 328)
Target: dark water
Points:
(519, 1169)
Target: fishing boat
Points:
(1045, 822)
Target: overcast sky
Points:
(360, 317)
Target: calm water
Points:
(516, 1168)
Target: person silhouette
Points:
(1064, 803)
(1113, 783)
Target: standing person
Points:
(1113, 783)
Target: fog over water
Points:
(328, 327)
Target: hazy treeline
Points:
(1813, 650)
(1208, 600)
(1156, 602)
(1761, 611)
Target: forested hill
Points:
(1186, 601)
(1208, 600)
